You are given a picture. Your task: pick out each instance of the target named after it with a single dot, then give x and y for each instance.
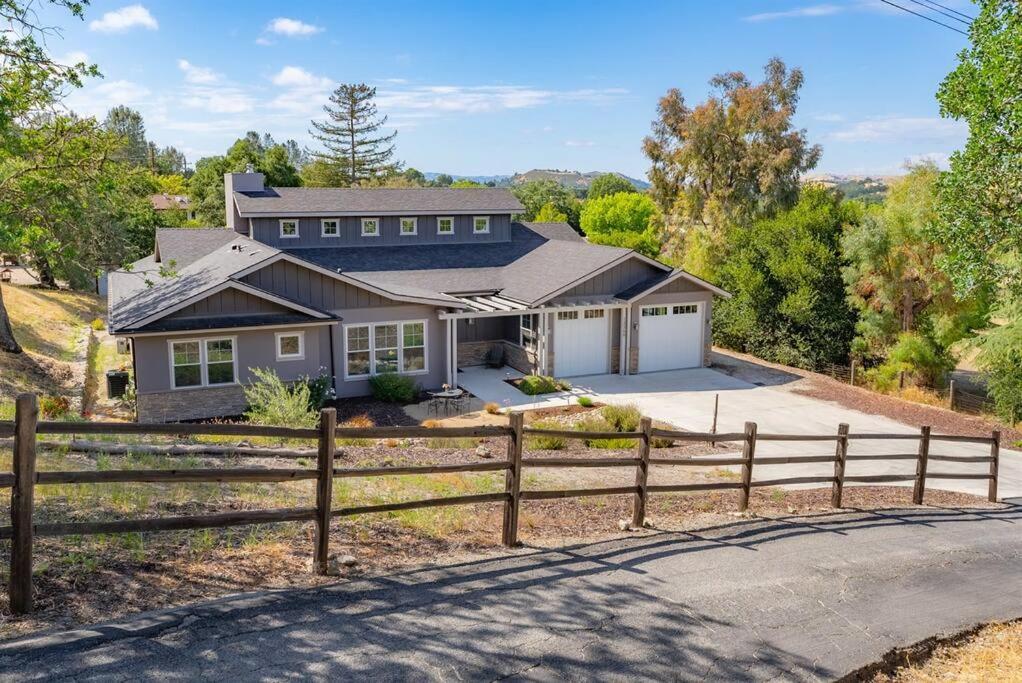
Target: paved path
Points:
(797, 599)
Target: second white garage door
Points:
(581, 343)
(670, 337)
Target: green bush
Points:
(97, 324)
(623, 418)
(319, 389)
(546, 443)
(922, 361)
(599, 424)
(271, 401)
(54, 407)
(537, 384)
(393, 388)
(585, 401)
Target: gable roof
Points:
(641, 289)
(334, 201)
(184, 246)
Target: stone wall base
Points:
(191, 404)
(474, 353)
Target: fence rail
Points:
(26, 427)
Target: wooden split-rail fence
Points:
(26, 428)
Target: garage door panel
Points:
(581, 343)
(670, 337)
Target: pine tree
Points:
(350, 136)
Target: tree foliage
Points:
(351, 136)
(127, 125)
(731, 159)
(608, 183)
(549, 213)
(788, 302)
(535, 194)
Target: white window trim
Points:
(322, 227)
(379, 228)
(480, 232)
(444, 218)
(297, 228)
(203, 362)
(400, 348)
(415, 226)
(301, 345)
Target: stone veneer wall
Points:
(191, 404)
(474, 353)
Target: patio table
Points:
(446, 397)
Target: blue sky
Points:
(499, 87)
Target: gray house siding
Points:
(229, 302)
(611, 281)
(267, 231)
(302, 284)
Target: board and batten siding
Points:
(315, 289)
(267, 231)
(611, 281)
(229, 302)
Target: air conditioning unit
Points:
(123, 345)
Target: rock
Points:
(791, 510)
(648, 524)
(334, 564)
(624, 525)
(345, 560)
(483, 452)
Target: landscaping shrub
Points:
(319, 389)
(54, 407)
(393, 388)
(545, 443)
(97, 324)
(585, 401)
(537, 384)
(357, 422)
(622, 418)
(492, 408)
(271, 401)
(600, 424)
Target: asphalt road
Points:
(798, 599)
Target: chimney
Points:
(240, 182)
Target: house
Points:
(173, 202)
(357, 282)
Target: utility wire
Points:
(950, 9)
(923, 16)
(946, 14)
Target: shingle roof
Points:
(187, 245)
(280, 201)
(232, 321)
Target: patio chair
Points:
(495, 356)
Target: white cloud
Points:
(218, 100)
(942, 159)
(800, 12)
(197, 74)
(73, 57)
(901, 129)
(123, 19)
(292, 27)
(579, 143)
(297, 77)
(261, 40)
(486, 98)
(97, 99)
(303, 92)
(829, 118)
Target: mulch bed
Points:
(382, 414)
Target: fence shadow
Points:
(572, 611)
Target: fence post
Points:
(837, 488)
(924, 454)
(713, 428)
(951, 395)
(748, 452)
(642, 473)
(513, 480)
(851, 373)
(26, 415)
(325, 487)
(901, 379)
(995, 454)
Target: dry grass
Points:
(992, 655)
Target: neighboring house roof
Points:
(555, 231)
(332, 201)
(166, 202)
(184, 246)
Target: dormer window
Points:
(330, 227)
(409, 226)
(481, 225)
(445, 226)
(289, 228)
(370, 227)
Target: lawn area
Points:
(53, 328)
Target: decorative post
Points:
(513, 480)
(642, 473)
(924, 454)
(851, 373)
(325, 487)
(841, 455)
(26, 417)
(748, 453)
(995, 455)
(951, 395)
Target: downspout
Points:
(628, 340)
(333, 365)
(134, 374)
(450, 351)
(622, 341)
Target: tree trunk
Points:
(46, 277)
(907, 309)
(7, 341)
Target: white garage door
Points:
(581, 341)
(670, 337)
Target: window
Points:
(686, 309)
(370, 227)
(202, 362)
(654, 310)
(330, 227)
(385, 347)
(290, 345)
(289, 227)
(187, 364)
(567, 315)
(481, 225)
(593, 313)
(527, 331)
(409, 226)
(445, 226)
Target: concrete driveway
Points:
(685, 398)
(796, 599)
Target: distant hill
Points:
(869, 189)
(497, 180)
(575, 180)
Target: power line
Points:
(950, 9)
(934, 9)
(923, 16)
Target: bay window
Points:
(376, 348)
